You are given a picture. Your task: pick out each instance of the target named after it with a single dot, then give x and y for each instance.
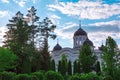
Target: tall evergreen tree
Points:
(46, 29)
(63, 65)
(32, 19)
(109, 60)
(78, 67)
(53, 65)
(69, 68)
(17, 38)
(75, 67)
(87, 59)
(59, 67)
(98, 69)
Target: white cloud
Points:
(3, 14)
(5, 1)
(102, 24)
(3, 29)
(87, 9)
(65, 34)
(98, 37)
(21, 3)
(55, 19)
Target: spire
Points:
(79, 23)
(79, 20)
(102, 42)
(57, 41)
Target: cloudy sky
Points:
(99, 18)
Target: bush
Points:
(22, 77)
(75, 77)
(33, 77)
(51, 75)
(7, 76)
(39, 75)
(89, 76)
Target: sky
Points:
(99, 18)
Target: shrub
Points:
(75, 77)
(7, 76)
(51, 75)
(33, 77)
(22, 77)
(39, 75)
(89, 76)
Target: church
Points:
(80, 37)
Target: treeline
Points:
(25, 54)
(27, 37)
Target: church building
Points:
(80, 37)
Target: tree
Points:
(98, 69)
(69, 68)
(46, 29)
(36, 61)
(63, 65)
(59, 67)
(18, 41)
(109, 60)
(53, 65)
(75, 67)
(87, 59)
(78, 67)
(33, 18)
(7, 59)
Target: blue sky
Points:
(99, 18)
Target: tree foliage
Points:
(52, 64)
(46, 29)
(51, 75)
(69, 68)
(7, 59)
(75, 67)
(87, 59)
(109, 60)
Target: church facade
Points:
(80, 38)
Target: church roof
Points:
(57, 47)
(80, 31)
(87, 41)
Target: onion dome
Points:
(87, 41)
(80, 31)
(57, 47)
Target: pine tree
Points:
(46, 29)
(69, 68)
(59, 67)
(87, 59)
(53, 65)
(63, 65)
(32, 19)
(75, 67)
(78, 67)
(17, 38)
(98, 69)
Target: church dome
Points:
(87, 41)
(80, 31)
(57, 47)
